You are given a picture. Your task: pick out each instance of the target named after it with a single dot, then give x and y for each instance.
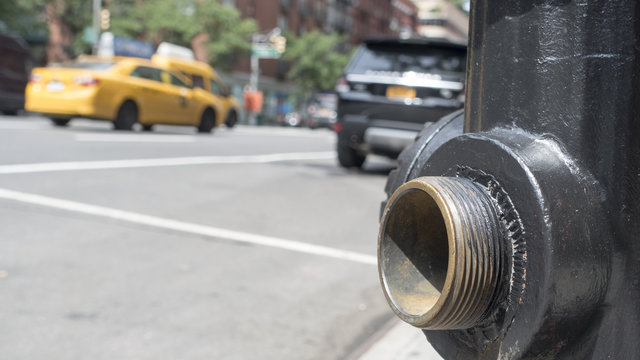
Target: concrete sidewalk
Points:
(397, 341)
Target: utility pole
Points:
(255, 63)
(97, 4)
(262, 46)
(253, 79)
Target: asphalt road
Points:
(249, 243)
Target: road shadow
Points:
(377, 168)
(373, 168)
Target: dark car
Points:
(390, 89)
(15, 66)
(321, 111)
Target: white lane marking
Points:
(178, 161)
(23, 126)
(158, 222)
(134, 138)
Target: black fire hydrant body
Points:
(512, 229)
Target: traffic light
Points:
(105, 16)
(279, 43)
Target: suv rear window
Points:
(403, 58)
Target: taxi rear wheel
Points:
(127, 116)
(207, 121)
(60, 121)
(231, 119)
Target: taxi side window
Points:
(224, 89)
(176, 81)
(215, 88)
(145, 72)
(166, 77)
(198, 81)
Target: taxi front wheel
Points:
(207, 122)
(127, 116)
(232, 119)
(61, 122)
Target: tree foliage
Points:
(33, 18)
(20, 17)
(317, 61)
(175, 21)
(11, 14)
(179, 21)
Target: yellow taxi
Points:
(122, 90)
(204, 77)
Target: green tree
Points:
(317, 61)
(22, 17)
(180, 21)
(61, 20)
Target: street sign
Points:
(264, 51)
(279, 43)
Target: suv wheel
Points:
(349, 157)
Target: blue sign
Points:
(129, 47)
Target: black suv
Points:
(15, 66)
(390, 89)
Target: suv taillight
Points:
(342, 85)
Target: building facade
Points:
(404, 18)
(358, 19)
(440, 18)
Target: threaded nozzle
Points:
(440, 253)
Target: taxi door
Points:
(180, 106)
(145, 81)
(221, 94)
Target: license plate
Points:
(55, 86)
(400, 92)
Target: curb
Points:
(396, 341)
